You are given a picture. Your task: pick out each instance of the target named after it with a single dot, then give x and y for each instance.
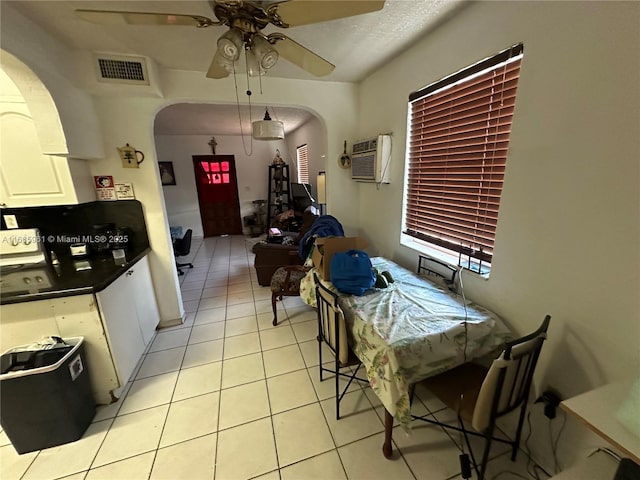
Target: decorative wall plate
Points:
(345, 159)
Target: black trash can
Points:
(45, 395)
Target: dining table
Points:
(414, 328)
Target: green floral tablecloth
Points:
(412, 330)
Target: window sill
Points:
(444, 255)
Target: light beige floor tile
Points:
(243, 404)
(189, 295)
(191, 305)
(191, 460)
(322, 467)
(246, 451)
(236, 279)
(241, 310)
(198, 380)
(149, 392)
(212, 302)
(136, 468)
(75, 476)
(295, 302)
(302, 313)
(364, 459)
(164, 361)
(265, 321)
(214, 292)
(206, 332)
(269, 476)
(221, 273)
(277, 337)
(429, 451)
(287, 428)
(240, 326)
(241, 345)
(305, 331)
(282, 360)
(69, 458)
(4, 440)
(215, 282)
(239, 288)
(14, 465)
(357, 418)
(265, 306)
(309, 351)
(211, 315)
(132, 435)
(240, 297)
(191, 418)
(291, 390)
(241, 370)
(262, 293)
(172, 339)
(194, 276)
(432, 402)
(190, 287)
(187, 323)
(109, 411)
(327, 388)
(201, 353)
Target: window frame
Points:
(429, 237)
(302, 156)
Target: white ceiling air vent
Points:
(122, 69)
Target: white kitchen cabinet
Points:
(117, 324)
(130, 314)
(27, 176)
(24, 323)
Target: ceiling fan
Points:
(246, 20)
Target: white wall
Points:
(568, 234)
(252, 172)
(313, 134)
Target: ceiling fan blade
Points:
(217, 69)
(304, 12)
(110, 17)
(302, 56)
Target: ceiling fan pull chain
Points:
(235, 81)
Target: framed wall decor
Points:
(167, 177)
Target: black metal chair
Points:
(480, 395)
(332, 330)
(181, 248)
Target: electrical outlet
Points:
(551, 401)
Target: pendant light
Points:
(267, 129)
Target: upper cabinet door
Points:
(29, 178)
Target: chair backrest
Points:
(508, 381)
(331, 324)
(182, 246)
(433, 267)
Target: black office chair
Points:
(332, 330)
(480, 395)
(181, 248)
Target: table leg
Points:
(387, 449)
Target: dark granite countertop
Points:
(66, 280)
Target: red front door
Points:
(218, 194)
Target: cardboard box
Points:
(325, 248)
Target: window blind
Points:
(459, 132)
(303, 164)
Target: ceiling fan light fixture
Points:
(253, 66)
(265, 54)
(268, 129)
(230, 44)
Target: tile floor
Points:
(228, 396)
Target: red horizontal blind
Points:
(458, 141)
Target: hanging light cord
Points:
(235, 81)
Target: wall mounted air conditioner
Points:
(370, 160)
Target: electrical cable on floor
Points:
(554, 443)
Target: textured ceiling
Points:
(356, 45)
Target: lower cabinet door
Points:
(120, 317)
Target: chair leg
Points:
(320, 355)
(337, 380)
(274, 297)
(487, 447)
(516, 441)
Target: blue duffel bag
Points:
(352, 272)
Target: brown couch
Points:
(270, 256)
